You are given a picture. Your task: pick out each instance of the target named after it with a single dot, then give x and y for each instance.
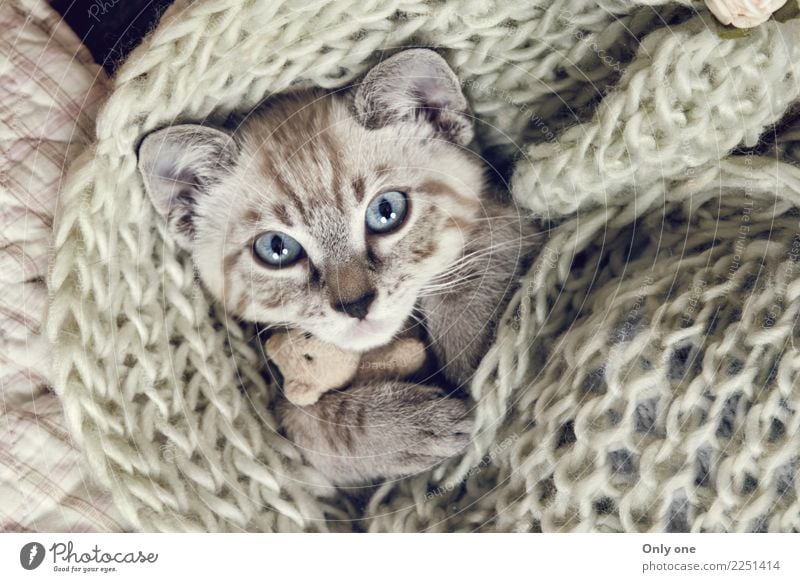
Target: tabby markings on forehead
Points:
(333, 149)
(440, 188)
(359, 188)
(282, 214)
(286, 189)
(252, 217)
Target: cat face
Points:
(328, 212)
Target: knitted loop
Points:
(689, 96)
(579, 427)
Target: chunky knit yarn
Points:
(645, 375)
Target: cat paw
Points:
(444, 427)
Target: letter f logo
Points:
(31, 555)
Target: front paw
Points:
(382, 430)
(444, 426)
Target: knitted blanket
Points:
(644, 376)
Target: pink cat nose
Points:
(358, 308)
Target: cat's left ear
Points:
(415, 84)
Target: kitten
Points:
(348, 214)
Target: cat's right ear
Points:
(178, 165)
(415, 84)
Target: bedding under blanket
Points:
(49, 94)
(645, 375)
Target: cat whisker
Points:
(262, 330)
(453, 280)
(506, 242)
(500, 217)
(414, 320)
(475, 256)
(449, 286)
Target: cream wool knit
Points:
(645, 376)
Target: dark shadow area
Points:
(111, 29)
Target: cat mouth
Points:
(377, 329)
(368, 333)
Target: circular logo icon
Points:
(31, 555)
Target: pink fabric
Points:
(50, 90)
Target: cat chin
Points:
(363, 335)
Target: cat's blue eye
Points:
(277, 249)
(386, 212)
